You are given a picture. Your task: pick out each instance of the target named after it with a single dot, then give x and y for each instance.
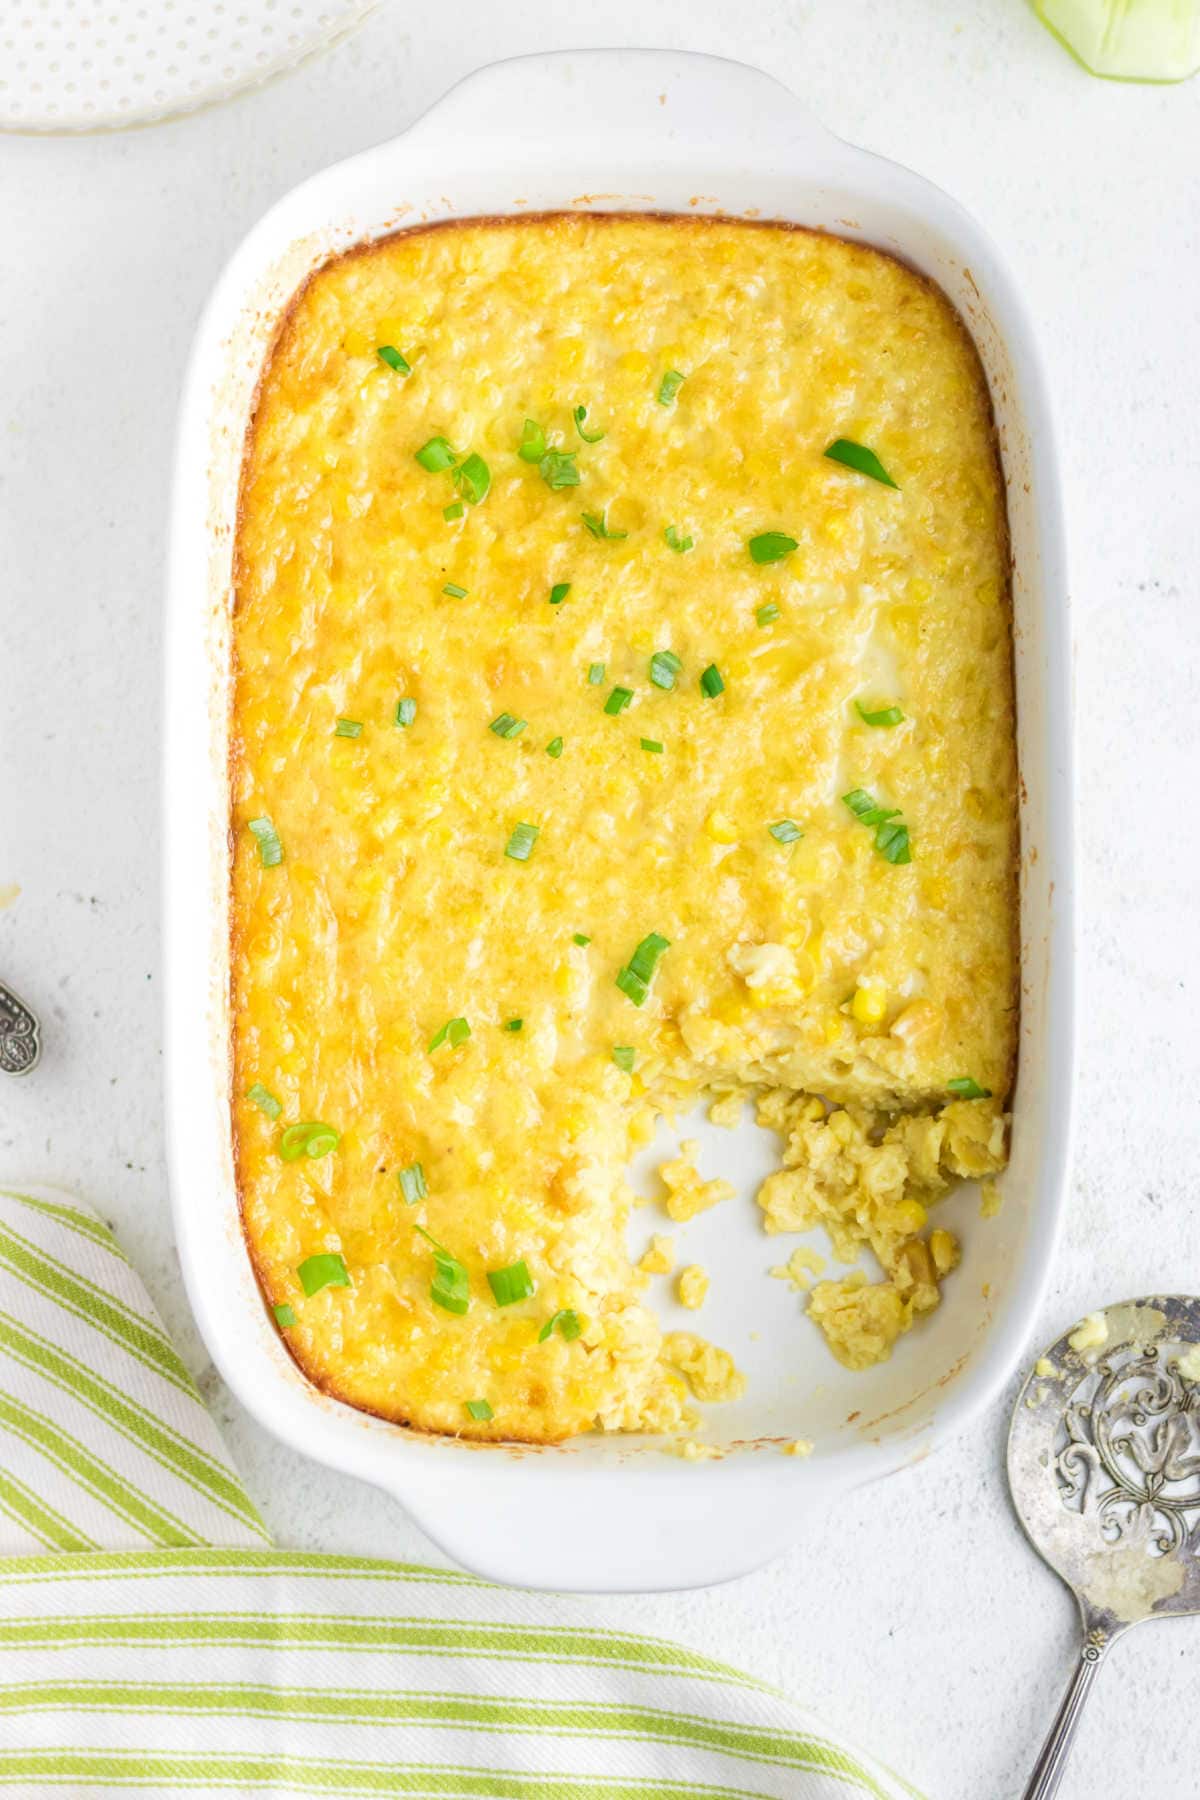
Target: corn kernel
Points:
(869, 1004)
(944, 1248)
(721, 828)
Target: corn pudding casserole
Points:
(622, 714)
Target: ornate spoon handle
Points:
(1048, 1770)
(20, 1042)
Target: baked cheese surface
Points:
(672, 754)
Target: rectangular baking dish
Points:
(623, 130)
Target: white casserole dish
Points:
(623, 130)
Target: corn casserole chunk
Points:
(622, 712)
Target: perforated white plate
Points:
(96, 65)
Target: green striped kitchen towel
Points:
(152, 1640)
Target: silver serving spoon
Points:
(1104, 1468)
(20, 1038)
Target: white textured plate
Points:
(95, 65)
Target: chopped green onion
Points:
(451, 1286)
(437, 455)
(532, 447)
(786, 831)
(406, 712)
(506, 726)
(653, 746)
(454, 592)
(472, 479)
(454, 1032)
(479, 1409)
(767, 615)
(557, 469)
(669, 386)
(511, 1284)
(391, 356)
(412, 1184)
(664, 667)
(565, 1322)
(888, 715)
(285, 1315)
(624, 1055)
(559, 592)
(635, 978)
(313, 1138)
(350, 728)
(771, 546)
(859, 458)
(554, 748)
(520, 844)
(453, 511)
(589, 437)
(265, 1100)
(581, 939)
(710, 682)
(618, 700)
(513, 1024)
(891, 834)
(965, 1087)
(595, 674)
(270, 850)
(677, 543)
(324, 1270)
(865, 808)
(597, 524)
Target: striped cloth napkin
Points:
(153, 1641)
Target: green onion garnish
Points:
(652, 745)
(554, 748)
(453, 511)
(412, 1184)
(391, 356)
(511, 1284)
(624, 1055)
(532, 447)
(406, 712)
(350, 728)
(581, 939)
(437, 455)
(767, 615)
(786, 831)
(454, 592)
(965, 1087)
(479, 1409)
(677, 543)
(559, 592)
(595, 674)
(454, 1032)
(312, 1138)
(270, 850)
(664, 667)
(506, 726)
(618, 700)
(472, 479)
(771, 546)
(589, 437)
(285, 1315)
(565, 1322)
(710, 682)
(557, 469)
(265, 1100)
(597, 524)
(513, 1024)
(669, 386)
(520, 844)
(891, 834)
(451, 1287)
(324, 1270)
(888, 715)
(635, 978)
(858, 457)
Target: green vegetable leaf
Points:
(669, 386)
(565, 1322)
(770, 546)
(681, 545)
(324, 1270)
(270, 850)
(511, 1284)
(412, 1183)
(312, 1138)
(391, 356)
(436, 455)
(965, 1087)
(532, 447)
(887, 716)
(454, 1032)
(265, 1100)
(520, 844)
(589, 437)
(859, 458)
(472, 479)
(597, 524)
(557, 469)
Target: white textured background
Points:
(916, 1620)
